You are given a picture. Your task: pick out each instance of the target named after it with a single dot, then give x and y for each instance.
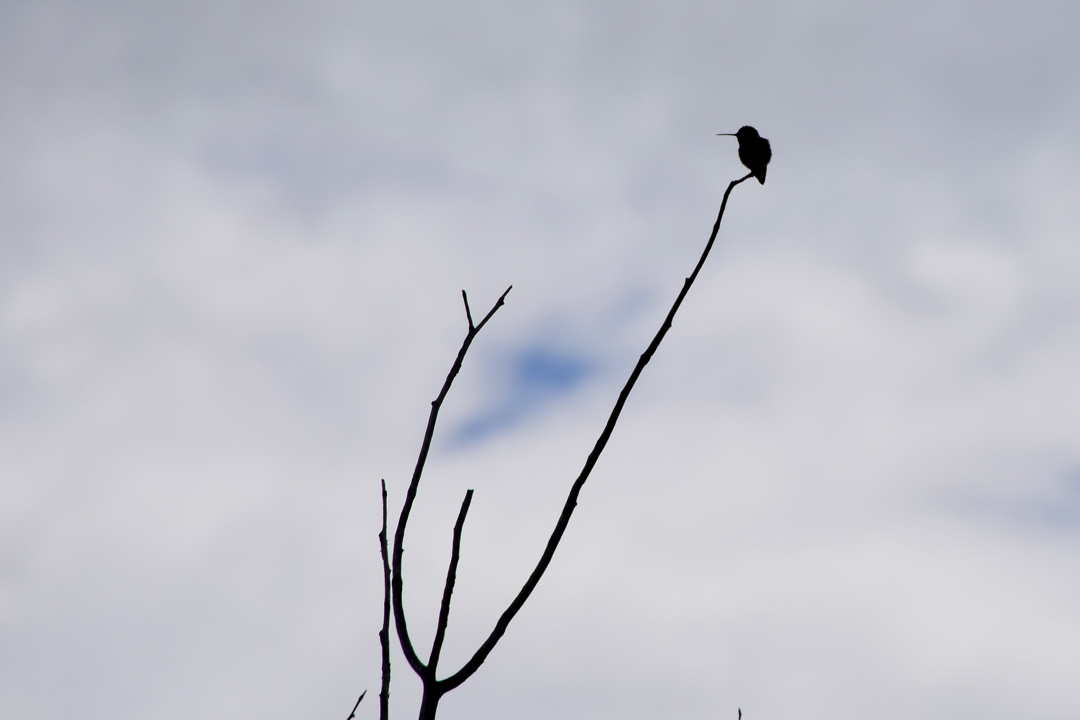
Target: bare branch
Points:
(482, 652)
(468, 312)
(448, 589)
(434, 689)
(384, 634)
(410, 496)
(498, 304)
(353, 713)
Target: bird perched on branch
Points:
(754, 151)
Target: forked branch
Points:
(481, 654)
(434, 689)
(410, 497)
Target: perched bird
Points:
(754, 151)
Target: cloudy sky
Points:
(233, 237)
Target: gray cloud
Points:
(233, 244)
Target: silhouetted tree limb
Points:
(448, 589)
(481, 654)
(434, 689)
(384, 633)
(468, 313)
(353, 713)
(410, 496)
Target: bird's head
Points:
(745, 133)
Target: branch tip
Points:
(448, 589)
(353, 713)
(468, 313)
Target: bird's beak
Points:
(731, 134)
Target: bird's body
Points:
(754, 151)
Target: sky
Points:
(233, 240)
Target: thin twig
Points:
(353, 713)
(410, 496)
(384, 634)
(448, 589)
(468, 313)
(482, 652)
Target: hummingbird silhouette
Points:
(754, 151)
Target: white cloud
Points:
(234, 242)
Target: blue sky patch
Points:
(1055, 509)
(535, 377)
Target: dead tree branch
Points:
(448, 589)
(481, 654)
(430, 685)
(434, 689)
(353, 713)
(384, 633)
